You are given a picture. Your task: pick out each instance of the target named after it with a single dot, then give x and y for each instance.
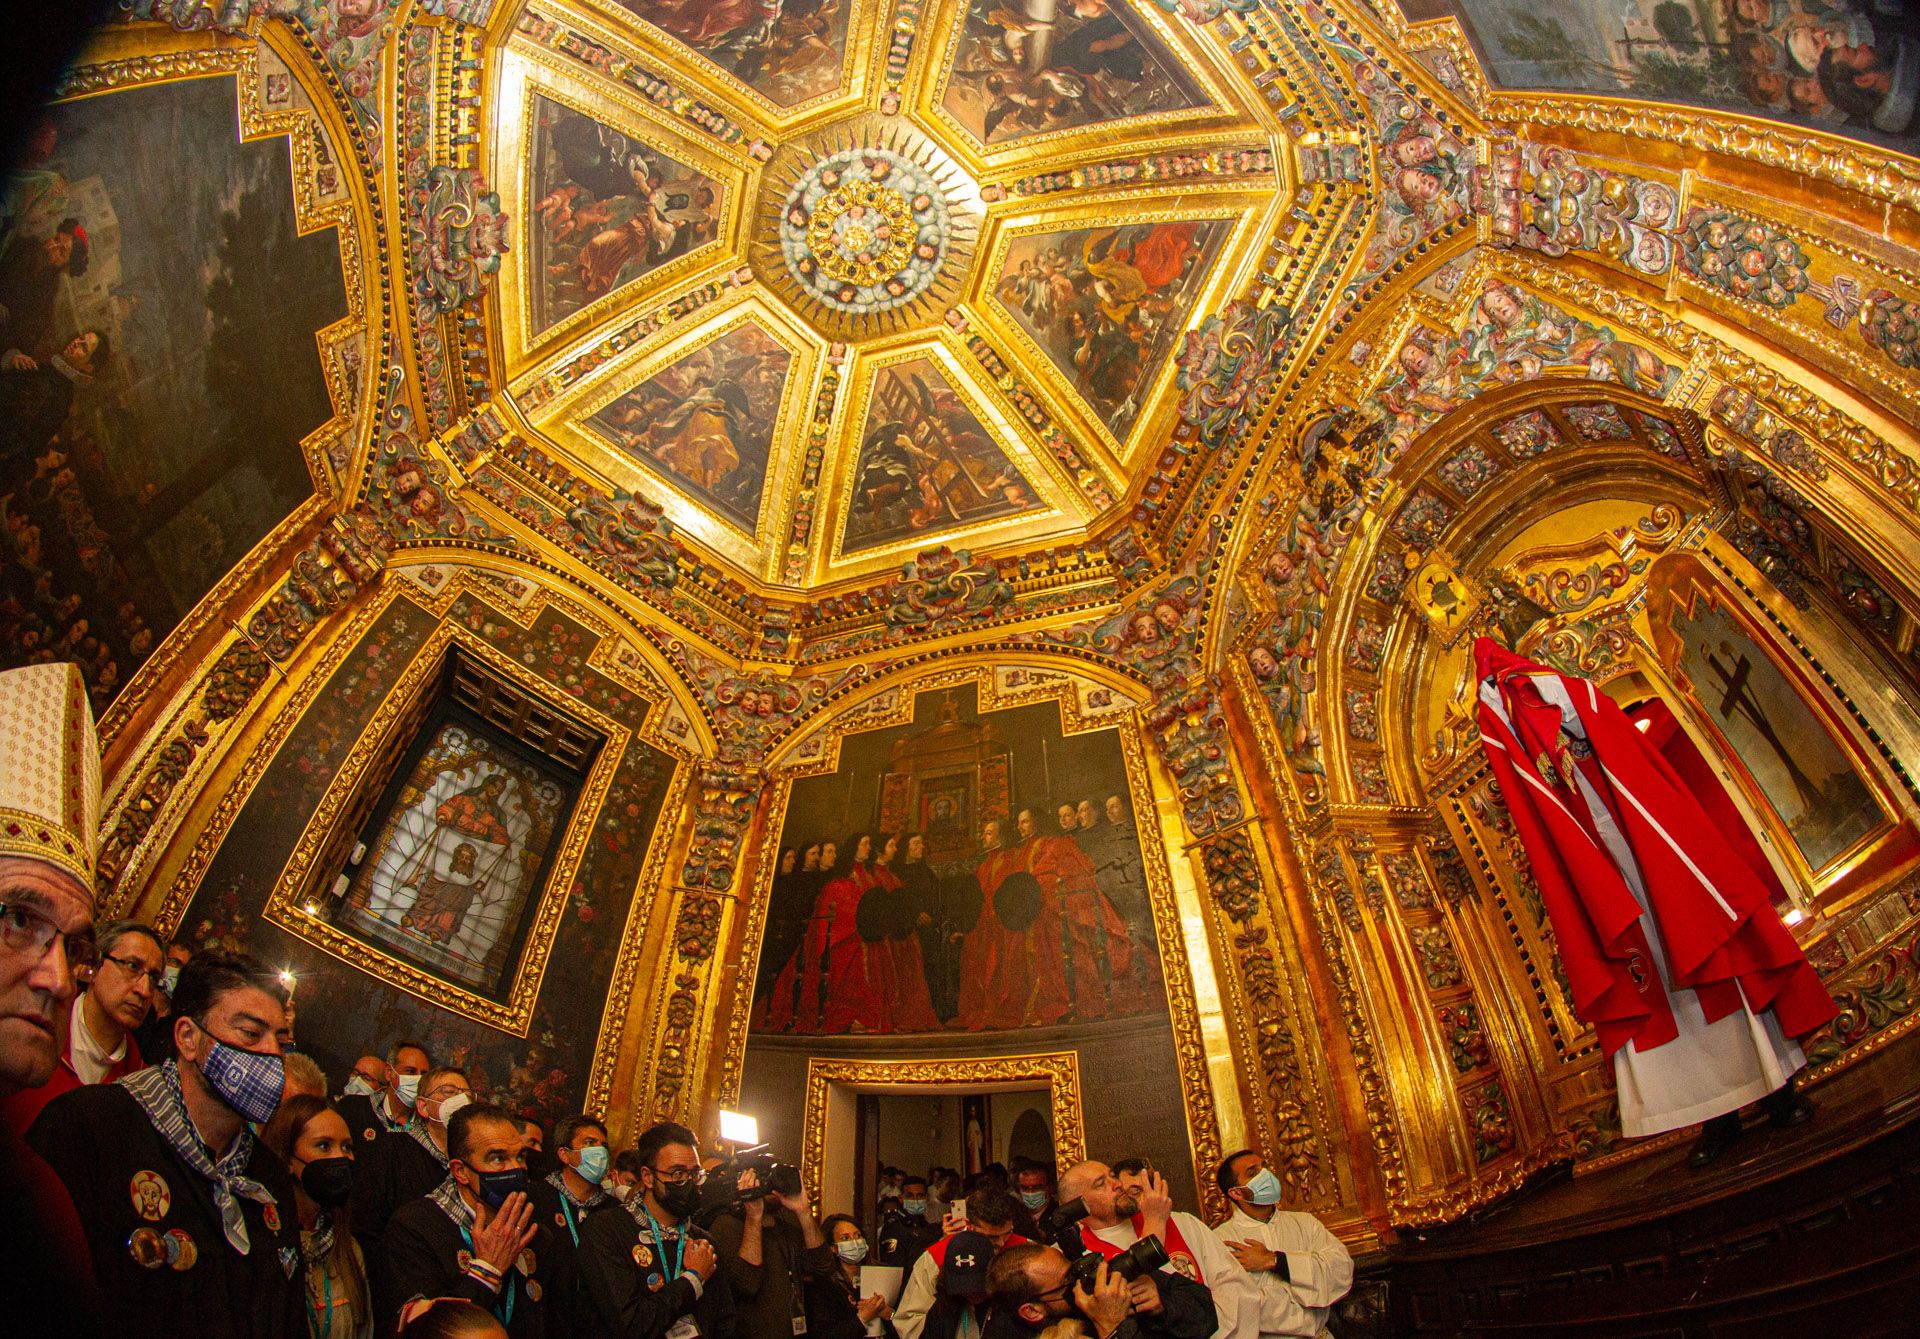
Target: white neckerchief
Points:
(90, 1060)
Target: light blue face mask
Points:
(1264, 1188)
(1034, 1199)
(914, 1206)
(593, 1163)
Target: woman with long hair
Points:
(310, 1136)
(835, 1308)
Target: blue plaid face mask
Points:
(248, 1081)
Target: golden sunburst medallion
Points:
(865, 230)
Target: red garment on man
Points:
(1092, 930)
(844, 987)
(1179, 1255)
(897, 973)
(1723, 939)
(19, 1111)
(1011, 978)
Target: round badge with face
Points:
(463, 1259)
(367, 1136)
(151, 1196)
(533, 1290)
(528, 1262)
(182, 1254)
(146, 1248)
(642, 1255)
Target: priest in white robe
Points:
(1300, 1268)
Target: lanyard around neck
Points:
(510, 1291)
(320, 1328)
(680, 1259)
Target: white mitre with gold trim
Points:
(49, 769)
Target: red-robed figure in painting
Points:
(834, 964)
(1010, 961)
(1105, 976)
(1671, 944)
(897, 974)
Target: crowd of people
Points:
(168, 1157)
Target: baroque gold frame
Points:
(1059, 1070)
(293, 892)
(818, 751)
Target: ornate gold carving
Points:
(296, 891)
(890, 702)
(1059, 1070)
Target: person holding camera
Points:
(1035, 1285)
(989, 1220)
(648, 1272)
(1130, 1202)
(770, 1246)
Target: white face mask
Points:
(447, 1106)
(853, 1250)
(620, 1191)
(407, 1089)
(359, 1086)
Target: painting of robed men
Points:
(455, 864)
(966, 873)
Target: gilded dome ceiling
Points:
(933, 311)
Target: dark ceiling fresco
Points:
(1851, 67)
(158, 368)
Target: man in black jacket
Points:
(190, 1221)
(1030, 1290)
(476, 1235)
(646, 1270)
(770, 1245)
(402, 1167)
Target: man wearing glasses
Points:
(100, 1043)
(648, 1272)
(50, 790)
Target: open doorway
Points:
(918, 1116)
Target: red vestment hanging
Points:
(1723, 939)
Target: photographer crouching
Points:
(770, 1245)
(1034, 1286)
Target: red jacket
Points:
(1715, 916)
(19, 1111)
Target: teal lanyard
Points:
(679, 1260)
(511, 1289)
(314, 1325)
(566, 1209)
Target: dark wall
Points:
(344, 1012)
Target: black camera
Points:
(1143, 1257)
(773, 1177)
(1062, 1224)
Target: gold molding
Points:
(859, 717)
(1060, 1070)
(295, 890)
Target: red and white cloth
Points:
(1671, 944)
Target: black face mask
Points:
(328, 1181)
(682, 1201)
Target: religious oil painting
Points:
(1850, 67)
(788, 51)
(611, 209)
(456, 856)
(1108, 305)
(706, 422)
(158, 368)
(965, 872)
(1025, 67)
(1813, 789)
(927, 463)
